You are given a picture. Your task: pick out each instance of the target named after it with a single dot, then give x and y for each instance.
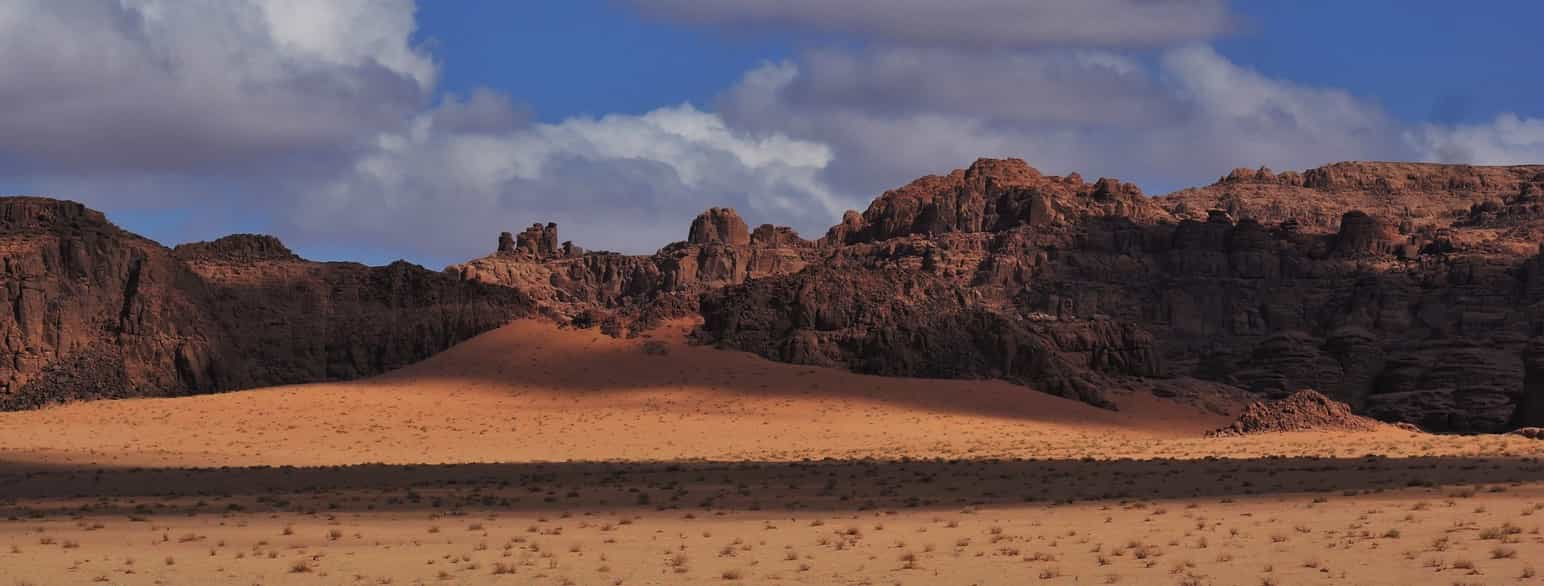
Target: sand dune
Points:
(532, 392)
(534, 455)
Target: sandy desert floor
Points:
(533, 455)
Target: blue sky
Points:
(1425, 60)
(587, 57)
(384, 129)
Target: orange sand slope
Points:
(533, 392)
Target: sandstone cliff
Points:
(1411, 292)
(624, 293)
(1418, 310)
(93, 311)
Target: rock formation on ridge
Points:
(625, 293)
(1411, 292)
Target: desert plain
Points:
(534, 454)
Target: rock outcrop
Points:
(1362, 235)
(992, 195)
(538, 240)
(96, 312)
(719, 226)
(236, 248)
(626, 294)
(1304, 410)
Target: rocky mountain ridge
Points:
(1404, 289)
(1408, 291)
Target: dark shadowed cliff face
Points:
(1423, 317)
(903, 322)
(91, 311)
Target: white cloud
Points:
(346, 33)
(193, 86)
(1068, 87)
(994, 24)
(892, 114)
(1507, 140)
(616, 182)
(1239, 117)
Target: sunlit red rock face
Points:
(628, 293)
(1408, 291)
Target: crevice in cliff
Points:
(130, 292)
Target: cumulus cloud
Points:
(618, 182)
(895, 113)
(1237, 116)
(1507, 140)
(1000, 24)
(173, 85)
(1072, 87)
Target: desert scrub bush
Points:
(1502, 532)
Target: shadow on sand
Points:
(830, 485)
